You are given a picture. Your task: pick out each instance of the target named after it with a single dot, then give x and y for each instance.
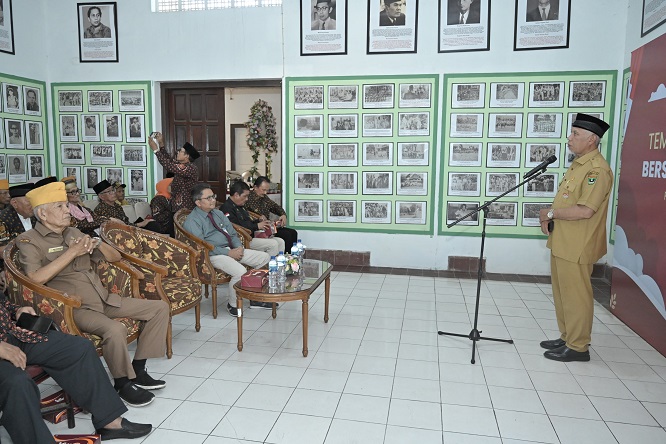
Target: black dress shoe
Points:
(552, 344)
(127, 430)
(565, 354)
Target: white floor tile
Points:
(401, 435)
(280, 375)
(604, 387)
(195, 417)
(572, 431)
(164, 436)
(264, 397)
(353, 432)
(371, 385)
(416, 389)
(475, 395)
(299, 429)
(519, 400)
(647, 391)
(622, 410)
(525, 426)
(469, 420)
(313, 402)
(565, 404)
(374, 365)
(326, 380)
(422, 415)
(218, 391)
(363, 408)
(632, 434)
(249, 424)
(658, 411)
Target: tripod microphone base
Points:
(474, 335)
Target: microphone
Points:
(541, 166)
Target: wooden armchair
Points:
(169, 268)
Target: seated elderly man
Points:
(4, 193)
(234, 209)
(73, 363)
(109, 207)
(59, 256)
(259, 202)
(212, 225)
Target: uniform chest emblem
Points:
(565, 195)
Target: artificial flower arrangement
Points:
(293, 265)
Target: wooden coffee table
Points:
(297, 287)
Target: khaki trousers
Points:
(232, 267)
(272, 245)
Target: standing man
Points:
(259, 202)
(542, 10)
(576, 229)
(97, 29)
(324, 21)
(186, 173)
(392, 14)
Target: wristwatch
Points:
(551, 214)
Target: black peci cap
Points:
(591, 123)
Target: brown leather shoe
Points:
(565, 354)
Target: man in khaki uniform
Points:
(576, 229)
(60, 256)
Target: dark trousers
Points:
(289, 235)
(73, 363)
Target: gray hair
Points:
(198, 189)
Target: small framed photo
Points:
(343, 125)
(572, 118)
(544, 125)
(92, 177)
(412, 184)
(342, 154)
(505, 125)
(137, 185)
(342, 183)
(131, 100)
(36, 167)
(309, 183)
(308, 97)
(13, 102)
(502, 213)
(3, 166)
(465, 154)
(588, 94)
(376, 212)
(103, 154)
(507, 95)
(498, 183)
(377, 182)
(309, 154)
(378, 96)
(69, 128)
(113, 131)
(98, 32)
(32, 100)
(415, 95)
(72, 153)
(410, 212)
(538, 152)
(7, 27)
(413, 153)
(468, 95)
(100, 101)
(90, 125)
(378, 154)
(392, 26)
(546, 95)
(544, 185)
(70, 101)
(414, 124)
(466, 125)
(14, 135)
(135, 128)
(343, 97)
(115, 174)
(464, 184)
(34, 136)
(377, 125)
(341, 211)
(75, 171)
(133, 155)
(531, 212)
(309, 211)
(17, 170)
(456, 210)
(503, 155)
(309, 126)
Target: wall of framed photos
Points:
(101, 132)
(360, 153)
(24, 150)
(497, 127)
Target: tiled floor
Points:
(379, 373)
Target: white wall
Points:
(30, 59)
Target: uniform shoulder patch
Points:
(592, 177)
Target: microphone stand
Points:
(475, 334)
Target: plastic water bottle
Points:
(294, 253)
(301, 251)
(282, 267)
(272, 273)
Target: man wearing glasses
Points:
(323, 11)
(210, 224)
(109, 208)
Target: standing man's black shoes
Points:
(552, 344)
(565, 354)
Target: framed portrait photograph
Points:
(309, 210)
(133, 155)
(70, 101)
(465, 154)
(378, 96)
(538, 152)
(392, 26)
(115, 174)
(137, 181)
(102, 154)
(546, 95)
(6, 27)
(100, 101)
(342, 154)
(587, 94)
(377, 125)
(531, 212)
(35, 167)
(32, 99)
(34, 136)
(378, 154)
(376, 212)
(72, 153)
(505, 125)
(499, 183)
(414, 184)
(131, 100)
(309, 154)
(308, 97)
(413, 153)
(14, 134)
(502, 213)
(464, 25)
(343, 97)
(135, 128)
(544, 185)
(572, 117)
(343, 125)
(69, 128)
(91, 177)
(17, 171)
(653, 16)
(113, 130)
(13, 99)
(341, 211)
(414, 95)
(2, 133)
(464, 184)
(507, 95)
(410, 212)
(309, 183)
(377, 182)
(503, 155)
(75, 171)
(466, 125)
(468, 95)
(3, 166)
(541, 24)
(547, 125)
(414, 124)
(323, 27)
(309, 126)
(98, 32)
(90, 127)
(342, 183)
(456, 210)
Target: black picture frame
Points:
(645, 32)
(378, 22)
(477, 11)
(102, 45)
(337, 41)
(525, 18)
(7, 44)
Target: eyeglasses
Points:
(74, 192)
(109, 191)
(321, 8)
(211, 197)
